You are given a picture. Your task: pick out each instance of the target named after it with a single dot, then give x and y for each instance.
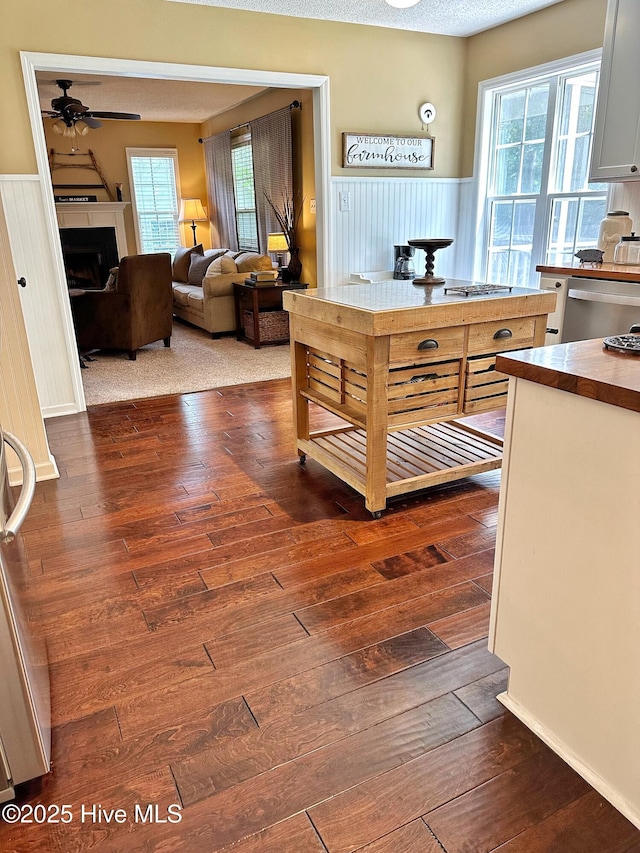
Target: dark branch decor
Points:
(288, 216)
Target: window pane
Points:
(575, 223)
(523, 218)
(537, 112)
(502, 215)
(532, 157)
(507, 171)
(511, 118)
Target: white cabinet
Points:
(555, 320)
(616, 145)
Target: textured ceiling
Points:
(445, 17)
(154, 100)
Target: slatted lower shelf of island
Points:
(399, 376)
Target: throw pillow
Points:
(199, 266)
(253, 262)
(181, 261)
(222, 266)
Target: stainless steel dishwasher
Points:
(597, 308)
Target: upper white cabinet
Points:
(616, 148)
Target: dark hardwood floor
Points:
(230, 631)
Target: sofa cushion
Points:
(222, 266)
(181, 261)
(252, 262)
(189, 296)
(199, 266)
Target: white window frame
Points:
(170, 153)
(482, 159)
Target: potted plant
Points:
(288, 216)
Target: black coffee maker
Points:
(403, 268)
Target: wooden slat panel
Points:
(489, 389)
(406, 419)
(486, 405)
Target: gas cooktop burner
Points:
(478, 289)
(624, 343)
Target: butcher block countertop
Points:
(584, 368)
(612, 272)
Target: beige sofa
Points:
(203, 285)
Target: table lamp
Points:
(277, 243)
(192, 209)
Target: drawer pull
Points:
(429, 343)
(502, 333)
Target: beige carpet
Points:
(194, 362)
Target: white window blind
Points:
(154, 178)
(242, 165)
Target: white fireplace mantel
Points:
(95, 214)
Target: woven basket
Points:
(274, 325)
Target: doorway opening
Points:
(69, 65)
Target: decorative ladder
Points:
(91, 166)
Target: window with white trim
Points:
(153, 177)
(244, 186)
(538, 204)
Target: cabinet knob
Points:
(429, 343)
(634, 168)
(22, 281)
(558, 284)
(502, 333)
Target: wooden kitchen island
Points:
(398, 364)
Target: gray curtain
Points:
(222, 205)
(272, 170)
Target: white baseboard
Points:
(560, 748)
(44, 471)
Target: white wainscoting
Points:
(384, 212)
(47, 314)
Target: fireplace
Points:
(89, 254)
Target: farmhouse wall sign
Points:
(384, 151)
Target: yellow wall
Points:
(565, 29)
(378, 76)
(108, 144)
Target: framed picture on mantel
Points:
(387, 151)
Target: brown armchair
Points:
(136, 312)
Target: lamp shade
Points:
(191, 209)
(277, 243)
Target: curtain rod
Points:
(294, 105)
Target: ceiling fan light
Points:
(58, 126)
(81, 128)
(402, 4)
(69, 131)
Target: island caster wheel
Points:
(376, 514)
(303, 458)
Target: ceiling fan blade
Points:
(50, 114)
(90, 121)
(121, 116)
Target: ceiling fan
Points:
(72, 113)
